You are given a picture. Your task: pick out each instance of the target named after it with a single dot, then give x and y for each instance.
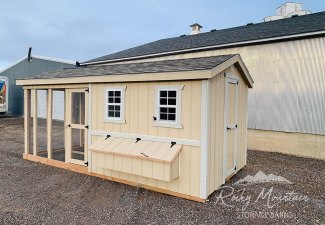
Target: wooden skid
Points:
(84, 170)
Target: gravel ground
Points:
(32, 193)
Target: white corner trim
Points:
(204, 162)
(180, 141)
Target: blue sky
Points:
(82, 30)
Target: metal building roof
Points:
(248, 34)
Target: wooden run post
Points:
(49, 122)
(34, 96)
(27, 113)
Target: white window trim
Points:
(122, 115)
(178, 89)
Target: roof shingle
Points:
(178, 65)
(273, 29)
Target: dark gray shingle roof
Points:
(273, 29)
(178, 65)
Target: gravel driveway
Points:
(32, 193)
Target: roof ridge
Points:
(288, 28)
(37, 57)
(245, 25)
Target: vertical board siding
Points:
(217, 103)
(289, 86)
(216, 132)
(140, 109)
(139, 112)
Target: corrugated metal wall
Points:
(26, 69)
(289, 88)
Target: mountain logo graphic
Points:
(261, 177)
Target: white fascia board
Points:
(233, 60)
(54, 59)
(284, 38)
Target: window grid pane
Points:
(114, 104)
(167, 105)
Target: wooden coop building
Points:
(176, 126)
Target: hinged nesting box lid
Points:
(147, 150)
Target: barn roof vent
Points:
(287, 10)
(196, 28)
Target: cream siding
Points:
(217, 107)
(183, 175)
(139, 112)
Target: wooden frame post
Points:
(27, 114)
(67, 132)
(49, 122)
(34, 97)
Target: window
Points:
(168, 106)
(114, 102)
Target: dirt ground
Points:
(32, 193)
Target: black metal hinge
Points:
(69, 125)
(137, 140)
(108, 136)
(144, 154)
(154, 118)
(172, 144)
(87, 90)
(86, 126)
(86, 163)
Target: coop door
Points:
(77, 126)
(231, 126)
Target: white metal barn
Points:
(286, 59)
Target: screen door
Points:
(77, 127)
